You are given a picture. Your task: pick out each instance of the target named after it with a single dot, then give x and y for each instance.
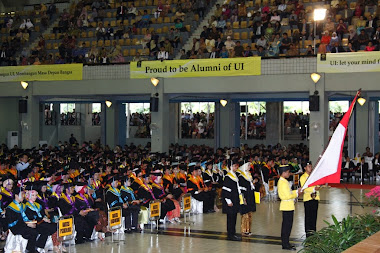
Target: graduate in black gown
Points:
(114, 199)
(231, 200)
(43, 197)
(197, 191)
(170, 183)
(6, 192)
(34, 211)
(247, 188)
(145, 191)
(133, 209)
(84, 202)
(66, 204)
(159, 193)
(19, 223)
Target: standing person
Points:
(246, 183)
(23, 164)
(232, 199)
(310, 200)
(287, 206)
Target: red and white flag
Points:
(328, 167)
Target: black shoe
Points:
(234, 238)
(290, 247)
(128, 231)
(211, 211)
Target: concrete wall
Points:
(9, 117)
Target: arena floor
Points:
(208, 233)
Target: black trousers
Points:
(27, 233)
(311, 211)
(45, 230)
(208, 200)
(131, 216)
(286, 228)
(231, 223)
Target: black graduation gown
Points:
(144, 194)
(206, 197)
(53, 203)
(169, 185)
(44, 229)
(230, 191)
(18, 227)
(81, 226)
(80, 204)
(248, 194)
(6, 197)
(133, 209)
(167, 205)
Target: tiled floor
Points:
(266, 229)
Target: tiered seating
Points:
(130, 46)
(242, 31)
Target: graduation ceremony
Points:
(120, 132)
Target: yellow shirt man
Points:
(309, 190)
(286, 195)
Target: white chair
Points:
(15, 243)
(196, 206)
(49, 244)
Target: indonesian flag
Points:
(328, 167)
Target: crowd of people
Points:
(283, 28)
(70, 118)
(142, 122)
(198, 125)
(19, 29)
(80, 180)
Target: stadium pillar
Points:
(115, 124)
(274, 122)
(227, 121)
(319, 120)
(30, 123)
(160, 128)
(362, 127)
(174, 124)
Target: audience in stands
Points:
(347, 28)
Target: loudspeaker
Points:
(22, 106)
(314, 103)
(243, 108)
(154, 104)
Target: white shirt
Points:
(22, 166)
(162, 55)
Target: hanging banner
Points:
(59, 72)
(349, 62)
(245, 66)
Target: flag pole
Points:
(351, 108)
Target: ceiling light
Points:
(223, 102)
(361, 101)
(154, 81)
(108, 103)
(315, 77)
(24, 85)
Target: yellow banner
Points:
(65, 227)
(115, 218)
(42, 73)
(257, 197)
(187, 203)
(155, 209)
(248, 66)
(349, 62)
